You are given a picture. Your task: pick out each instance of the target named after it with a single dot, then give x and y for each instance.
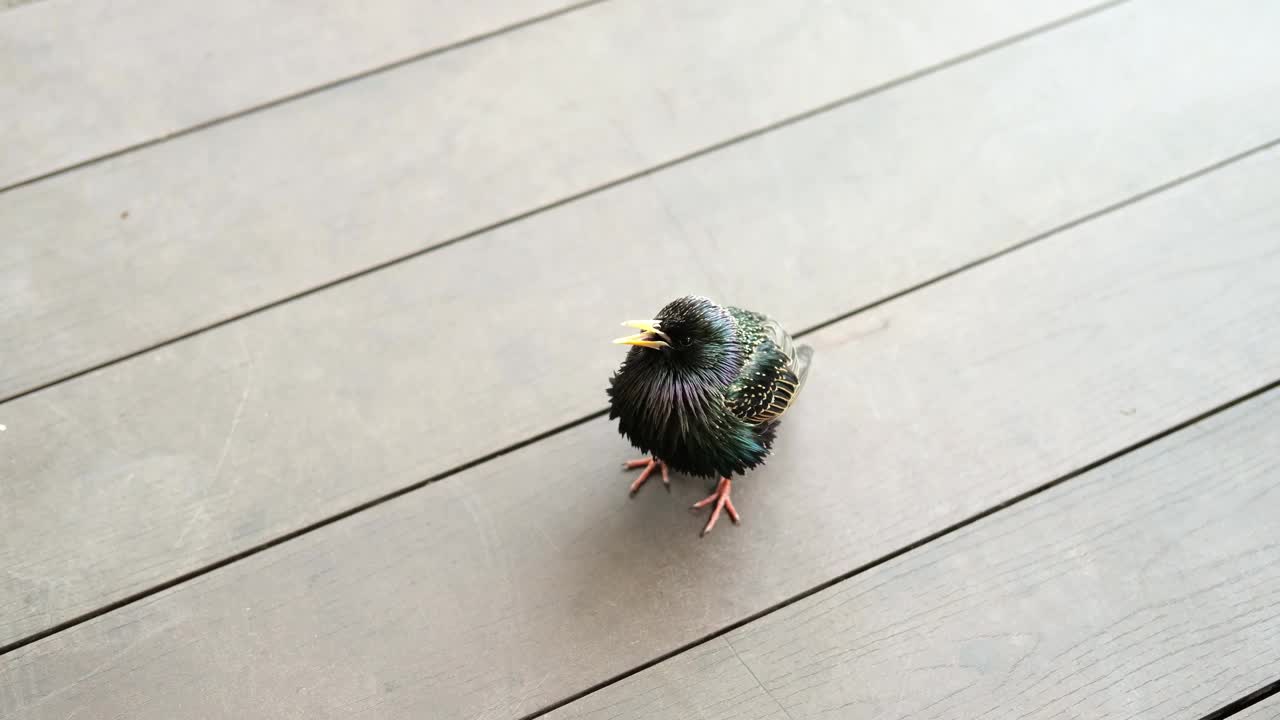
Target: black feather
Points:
(709, 405)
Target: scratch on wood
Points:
(869, 395)
(526, 694)
(200, 511)
(114, 657)
(191, 522)
(755, 677)
(904, 676)
(235, 419)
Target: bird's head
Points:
(691, 333)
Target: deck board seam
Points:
(1231, 709)
(568, 199)
(1246, 702)
(493, 455)
(304, 93)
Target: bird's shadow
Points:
(635, 566)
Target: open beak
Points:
(648, 337)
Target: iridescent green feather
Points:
(709, 407)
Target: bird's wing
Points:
(772, 376)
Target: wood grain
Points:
(10, 4)
(140, 249)
(1147, 588)
(531, 577)
(155, 467)
(85, 78)
(1268, 709)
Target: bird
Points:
(702, 391)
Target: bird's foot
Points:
(648, 464)
(722, 502)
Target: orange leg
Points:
(648, 464)
(721, 498)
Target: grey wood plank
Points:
(531, 577)
(153, 468)
(145, 247)
(10, 4)
(1146, 588)
(85, 78)
(1268, 709)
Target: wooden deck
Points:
(304, 325)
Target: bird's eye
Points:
(684, 341)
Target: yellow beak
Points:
(648, 337)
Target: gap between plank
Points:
(1245, 702)
(386, 497)
(1223, 712)
(679, 160)
(304, 93)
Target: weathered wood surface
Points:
(1268, 709)
(86, 78)
(532, 576)
(140, 249)
(1147, 588)
(239, 435)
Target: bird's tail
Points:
(804, 357)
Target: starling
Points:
(702, 390)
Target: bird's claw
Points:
(722, 502)
(648, 464)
